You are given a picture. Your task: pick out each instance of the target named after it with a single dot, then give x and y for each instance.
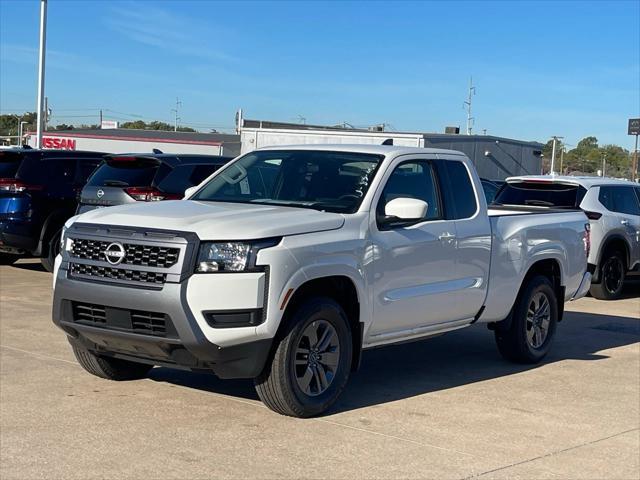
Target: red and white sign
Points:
(59, 143)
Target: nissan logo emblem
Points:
(100, 193)
(115, 253)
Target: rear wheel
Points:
(533, 324)
(612, 271)
(8, 258)
(312, 361)
(53, 250)
(109, 368)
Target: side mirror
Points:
(405, 210)
(190, 191)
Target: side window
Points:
(61, 171)
(620, 199)
(464, 196)
(413, 179)
(606, 198)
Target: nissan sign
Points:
(60, 143)
(634, 126)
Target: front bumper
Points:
(191, 343)
(584, 286)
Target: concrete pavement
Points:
(448, 407)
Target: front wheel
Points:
(53, 250)
(533, 323)
(311, 363)
(612, 273)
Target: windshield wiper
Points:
(115, 183)
(540, 203)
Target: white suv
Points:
(613, 208)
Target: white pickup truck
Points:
(288, 262)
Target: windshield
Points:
(540, 194)
(322, 180)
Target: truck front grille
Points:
(132, 321)
(135, 254)
(109, 273)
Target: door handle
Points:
(446, 237)
(624, 222)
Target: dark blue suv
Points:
(38, 193)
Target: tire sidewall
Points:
(535, 286)
(617, 256)
(329, 311)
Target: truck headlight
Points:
(230, 256)
(66, 244)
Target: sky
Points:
(542, 68)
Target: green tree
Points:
(154, 125)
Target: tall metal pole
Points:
(634, 163)
(470, 119)
(604, 164)
(553, 155)
(43, 44)
(562, 159)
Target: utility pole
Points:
(604, 165)
(562, 159)
(467, 106)
(43, 44)
(100, 119)
(553, 154)
(175, 110)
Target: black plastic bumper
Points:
(184, 347)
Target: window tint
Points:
(619, 199)
(185, 176)
(463, 195)
(85, 168)
(540, 194)
(47, 171)
(9, 167)
(414, 179)
(490, 189)
(126, 174)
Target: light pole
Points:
(604, 164)
(43, 44)
(553, 154)
(20, 132)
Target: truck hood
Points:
(217, 220)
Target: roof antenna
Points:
(157, 151)
(388, 141)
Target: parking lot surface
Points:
(447, 407)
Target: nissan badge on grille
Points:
(115, 253)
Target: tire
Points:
(299, 385)
(8, 258)
(53, 249)
(612, 272)
(521, 342)
(110, 368)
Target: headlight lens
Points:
(231, 256)
(66, 244)
(223, 257)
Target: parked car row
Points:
(41, 189)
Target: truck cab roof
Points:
(583, 181)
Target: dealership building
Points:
(121, 140)
(494, 157)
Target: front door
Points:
(414, 281)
